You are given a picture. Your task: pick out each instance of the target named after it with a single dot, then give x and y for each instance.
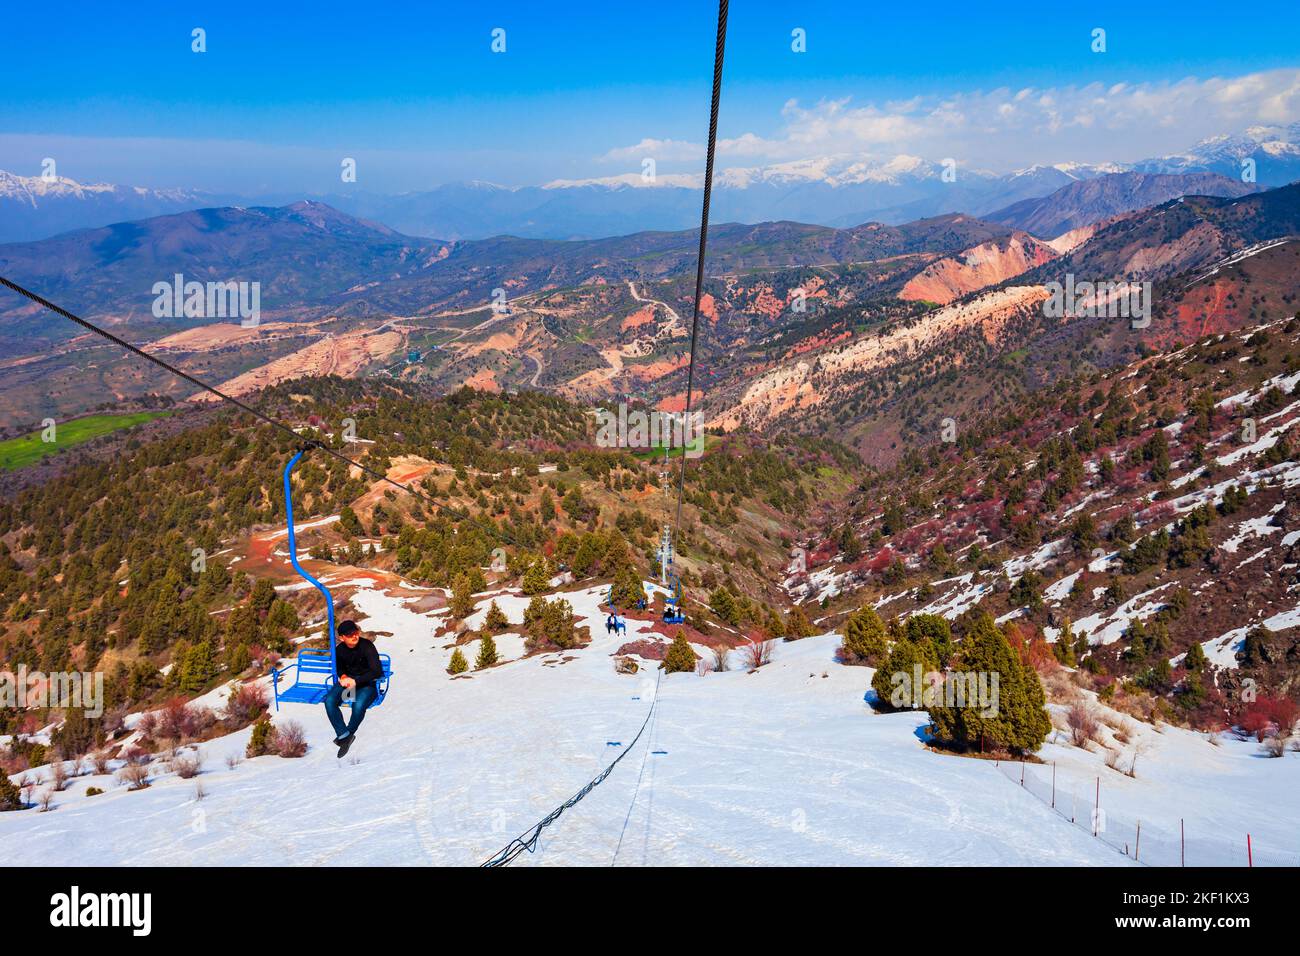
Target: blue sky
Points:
(584, 89)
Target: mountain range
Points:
(833, 191)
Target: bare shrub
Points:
(756, 653)
(1138, 750)
(704, 667)
(198, 722)
(199, 792)
(1215, 740)
(185, 765)
(290, 739)
(1082, 721)
(1273, 746)
(1112, 759)
(45, 799)
(172, 719)
(99, 760)
(721, 657)
(134, 776)
(178, 721)
(246, 703)
(114, 721)
(147, 725)
(1060, 686)
(59, 775)
(233, 761)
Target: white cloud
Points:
(660, 150)
(1008, 129)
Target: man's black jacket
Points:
(361, 663)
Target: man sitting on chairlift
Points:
(359, 667)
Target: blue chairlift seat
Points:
(673, 613)
(313, 675)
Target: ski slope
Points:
(785, 766)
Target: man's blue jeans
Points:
(333, 706)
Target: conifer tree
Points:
(936, 629)
(462, 597)
(349, 522)
(797, 625)
(628, 589)
(895, 682)
(259, 742)
(263, 595)
(458, 664)
(11, 798)
(1019, 722)
(773, 624)
(864, 638)
(495, 621)
(197, 668)
(1064, 646)
(536, 579)
(724, 605)
(680, 656)
(487, 652)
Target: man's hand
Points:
(348, 682)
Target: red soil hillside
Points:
(977, 267)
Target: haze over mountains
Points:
(886, 308)
(833, 191)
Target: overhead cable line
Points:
(528, 839)
(704, 239)
(261, 416)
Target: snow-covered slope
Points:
(788, 765)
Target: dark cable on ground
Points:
(528, 839)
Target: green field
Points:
(657, 451)
(27, 449)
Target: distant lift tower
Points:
(666, 556)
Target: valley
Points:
(907, 454)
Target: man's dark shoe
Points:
(345, 745)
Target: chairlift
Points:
(315, 671)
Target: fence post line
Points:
(1022, 771)
(1182, 840)
(1096, 808)
(1053, 784)
(1137, 842)
(1250, 858)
